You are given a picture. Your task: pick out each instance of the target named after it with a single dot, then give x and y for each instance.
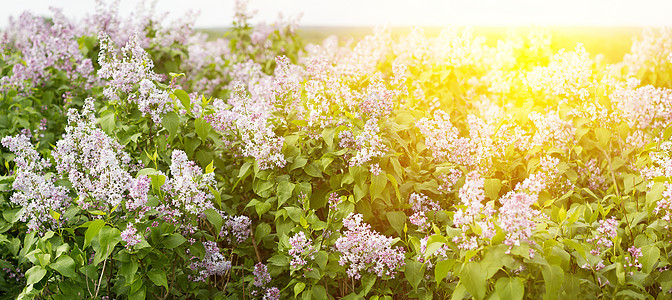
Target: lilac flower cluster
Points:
(300, 248)
(473, 211)
(272, 293)
(661, 162)
(35, 191)
(447, 181)
(440, 252)
(134, 68)
(130, 236)
(516, 214)
(187, 193)
(44, 46)
(367, 144)
(261, 275)
(213, 263)
(472, 196)
(138, 195)
(365, 250)
(602, 239)
(635, 254)
(517, 217)
(421, 205)
(93, 162)
(591, 171)
(15, 274)
(551, 130)
(644, 107)
(664, 205)
(444, 140)
(334, 201)
(250, 120)
(236, 228)
(261, 279)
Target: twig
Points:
(100, 279)
(254, 244)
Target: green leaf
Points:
(301, 123)
(64, 265)
(368, 280)
(171, 121)
(553, 278)
(650, 256)
(294, 213)
(473, 278)
(34, 275)
(214, 218)
(298, 288)
(262, 208)
(492, 187)
(107, 121)
(158, 277)
(107, 239)
(459, 293)
(299, 162)
(262, 230)
(395, 185)
(174, 240)
(328, 136)
(128, 270)
(321, 259)
(397, 220)
(285, 190)
(279, 260)
(184, 99)
(313, 169)
(378, 183)
(603, 136)
(140, 293)
(319, 292)
(202, 128)
(11, 215)
(576, 246)
(92, 231)
(442, 268)
(510, 288)
(414, 273)
(665, 280)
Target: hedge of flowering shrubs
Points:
(142, 160)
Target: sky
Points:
(218, 13)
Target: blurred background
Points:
(603, 26)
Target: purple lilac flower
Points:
(130, 236)
(45, 46)
(95, 163)
(334, 201)
(272, 293)
(367, 144)
(187, 193)
(213, 263)
(135, 68)
(261, 275)
(602, 239)
(365, 250)
(301, 248)
(236, 228)
(34, 190)
(138, 194)
(250, 122)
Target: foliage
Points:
(142, 161)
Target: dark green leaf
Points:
(64, 265)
